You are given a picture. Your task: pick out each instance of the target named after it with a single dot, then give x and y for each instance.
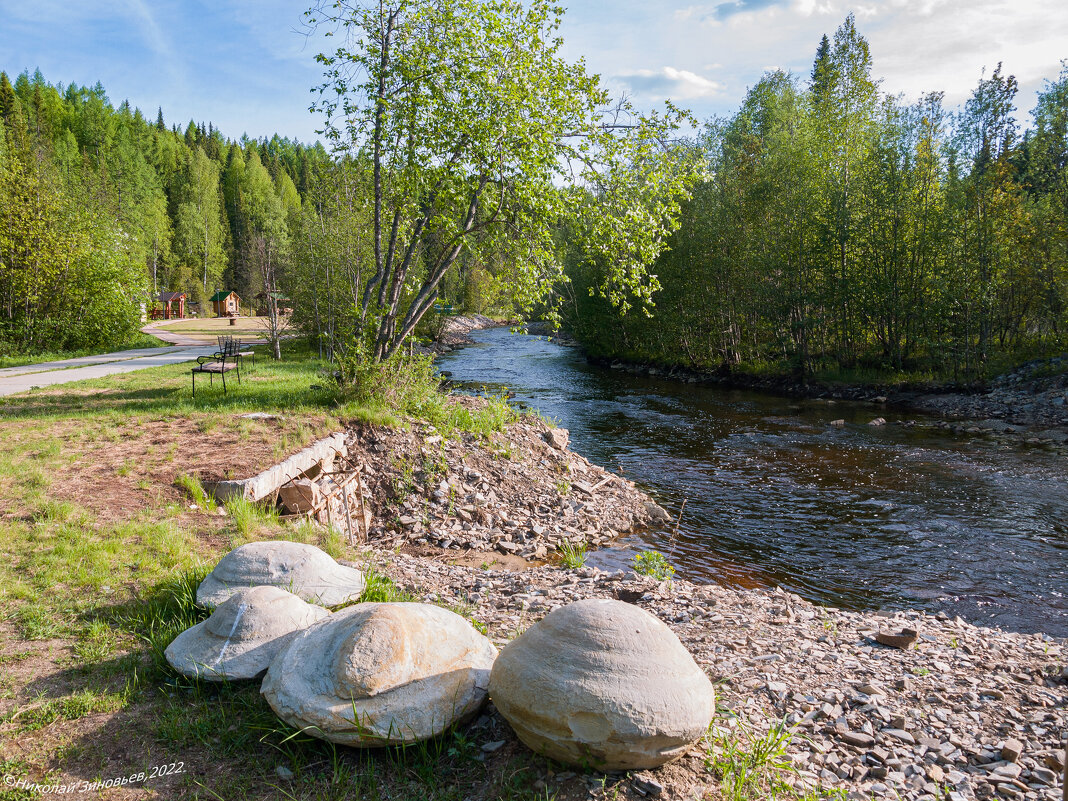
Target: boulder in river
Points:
(381, 674)
(603, 683)
(303, 570)
(242, 635)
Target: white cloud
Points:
(670, 83)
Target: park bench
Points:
(238, 349)
(227, 358)
(213, 365)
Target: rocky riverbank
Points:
(962, 712)
(521, 492)
(966, 712)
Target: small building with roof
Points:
(173, 305)
(226, 303)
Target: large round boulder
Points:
(381, 674)
(605, 684)
(301, 569)
(242, 635)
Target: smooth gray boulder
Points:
(381, 674)
(242, 635)
(605, 684)
(301, 569)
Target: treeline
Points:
(102, 209)
(842, 228)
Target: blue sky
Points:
(245, 65)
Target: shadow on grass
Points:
(231, 744)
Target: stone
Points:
(856, 739)
(302, 569)
(1011, 750)
(378, 674)
(657, 513)
(242, 635)
(902, 640)
(878, 421)
(645, 784)
(840, 423)
(557, 438)
(300, 496)
(602, 683)
(319, 455)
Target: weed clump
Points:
(653, 563)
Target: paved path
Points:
(20, 379)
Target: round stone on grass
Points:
(303, 570)
(381, 674)
(604, 684)
(242, 635)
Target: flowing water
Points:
(860, 517)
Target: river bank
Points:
(1029, 402)
(966, 713)
(969, 711)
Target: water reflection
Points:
(859, 516)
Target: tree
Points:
(474, 128)
(198, 234)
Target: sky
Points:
(248, 66)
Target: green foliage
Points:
(572, 555)
(474, 136)
(100, 210)
(653, 563)
(380, 588)
(843, 230)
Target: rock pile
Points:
(242, 635)
(301, 569)
(381, 674)
(521, 493)
(603, 683)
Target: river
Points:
(859, 517)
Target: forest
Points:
(102, 209)
(841, 231)
(825, 228)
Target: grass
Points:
(751, 766)
(572, 555)
(93, 596)
(195, 490)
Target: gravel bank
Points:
(966, 712)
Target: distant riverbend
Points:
(857, 516)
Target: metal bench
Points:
(237, 349)
(217, 364)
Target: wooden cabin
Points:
(226, 303)
(285, 305)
